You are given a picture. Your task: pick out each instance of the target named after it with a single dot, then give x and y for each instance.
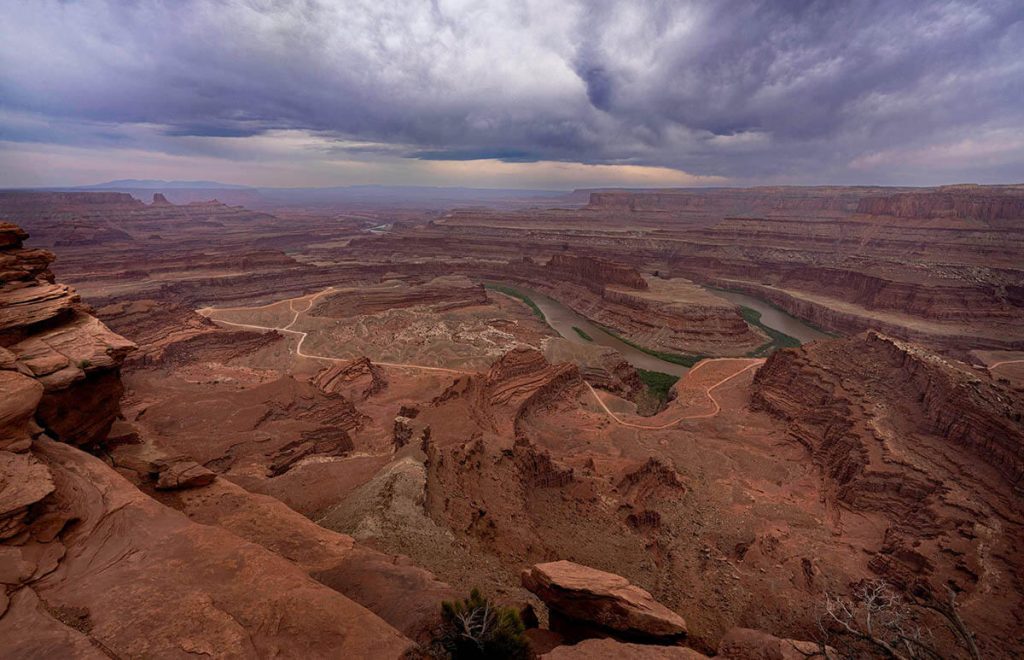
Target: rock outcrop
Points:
(600, 366)
(950, 401)
(47, 334)
(183, 474)
(520, 382)
(610, 649)
(103, 566)
(595, 273)
(990, 205)
(610, 602)
(748, 644)
(356, 380)
(440, 294)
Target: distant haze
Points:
(527, 94)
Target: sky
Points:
(552, 94)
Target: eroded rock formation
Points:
(355, 380)
(46, 333)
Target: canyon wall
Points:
(929, 445)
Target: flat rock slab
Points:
(750, 644)
(605, 599)
(609, 649)
(23, 482)
(184, 474)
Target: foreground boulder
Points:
(748, 644)
(610, 602)
(181, 474)
(609, 649)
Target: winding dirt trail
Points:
(310, 300)
(707, 390)
(1001, 363)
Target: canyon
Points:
(298, 430)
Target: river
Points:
(773, 317)
(563, 320)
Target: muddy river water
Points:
(563, 320)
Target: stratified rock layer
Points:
(46, 333)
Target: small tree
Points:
(476, 628)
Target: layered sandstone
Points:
(356, 380)
(951, 400)
(929, 447)
(516, 385)
(595, 273)
(190, 587)
(990, 205)
(600, 366)
(941, 266)
(440, 294)
(46, 333)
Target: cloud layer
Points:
(740, 90)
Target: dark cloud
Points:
(770, 90)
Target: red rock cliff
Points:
(48, 336)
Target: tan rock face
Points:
(909, 436)
(24, 481)
(130, 577)
(19, 398)
(605, 599)
(406, 596)
(440, 293)
(145, 581)
(748, 644)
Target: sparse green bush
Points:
(515, 293)
(84, 364)
(475, 628)
(674, 358)
(658, 383)
(582, 334)
(777, 339)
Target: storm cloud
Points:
(746, 91)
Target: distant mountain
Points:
(155, 184)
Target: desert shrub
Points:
(877, 620)
(658, 384)
(477, 628)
